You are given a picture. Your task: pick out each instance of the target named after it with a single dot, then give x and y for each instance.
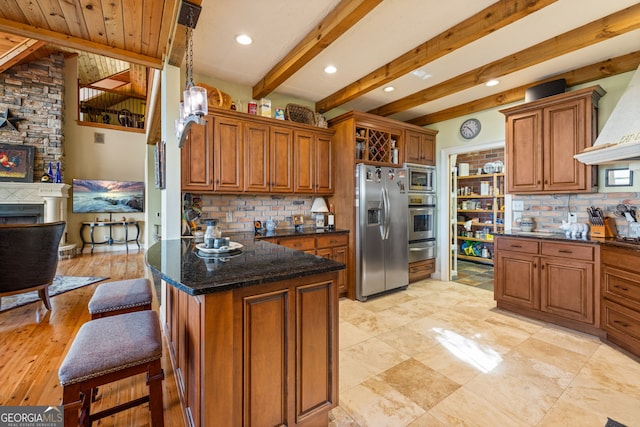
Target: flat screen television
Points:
(106, 196)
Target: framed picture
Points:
(16, 163)
(160, 165)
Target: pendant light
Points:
(194, 98)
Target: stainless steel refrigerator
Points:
(381, 230)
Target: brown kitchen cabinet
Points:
(420, 147)
(241, 153)
(542, 137)
(621, 296)
(419, 270)
(551, 281)
(355, 135)
(238, 356)
(268, 158)
(331, 246)
(197, 159)
(228, 153)
(312, 163)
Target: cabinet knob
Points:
(621, 323)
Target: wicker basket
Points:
(300, 114)
(216, 97)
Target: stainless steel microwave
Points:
(421, 178)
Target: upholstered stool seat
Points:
(107, 350)
(123, 296)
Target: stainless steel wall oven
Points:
(422, 226)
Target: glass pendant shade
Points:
(198, 100)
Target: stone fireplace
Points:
(18, 199)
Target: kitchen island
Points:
(253, 334)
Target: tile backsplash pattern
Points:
(548, 211)
(247, 209)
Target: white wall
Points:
(121, 157)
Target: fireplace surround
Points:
(53, 198)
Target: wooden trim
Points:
(336, 23)
(594, 32)
(589, 73)
(64, 40)
(19, 52)
(483, 23)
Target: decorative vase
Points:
(58, 173)
(50, 172)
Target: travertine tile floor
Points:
(441, 354)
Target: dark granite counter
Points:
(562, 237)
(181, 264)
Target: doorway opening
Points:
(478, 208)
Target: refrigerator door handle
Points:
(387, 213)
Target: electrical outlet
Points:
(517, 205)
(229, 216)
(573, 217)
(517, 215)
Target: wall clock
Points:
(470, 128)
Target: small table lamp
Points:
(319, 207)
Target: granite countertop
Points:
(182, 265)
(562, 237)
(291, 232)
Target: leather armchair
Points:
(29, 258)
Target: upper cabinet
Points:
(420, 147)
(241, 153)
(543, 136)
(197, 159)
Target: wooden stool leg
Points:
(71, 402)
(155, 376)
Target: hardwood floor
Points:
(35, 341)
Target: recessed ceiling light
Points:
(244, 39)
(330, 69)
(492, 82)
(389, 89)
(421, 74)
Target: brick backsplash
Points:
(548, 211)
(246, 209)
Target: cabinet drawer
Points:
(518, 245)
(622, 320)
(332, 241)
(299, 243)
(421, 269)
(621, 283)
(629, 259)
(568, 250)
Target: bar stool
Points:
(107, 350)
(123, 296)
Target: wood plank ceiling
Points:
(140, 32)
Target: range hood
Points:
(619, 140)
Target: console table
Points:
(110, 240)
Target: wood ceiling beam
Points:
(178, 42)
(18, 53)
(589, 73)
(337, 22)
(608, 27)
(490, 19)
(60, 39)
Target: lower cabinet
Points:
(257, 356)
(331, 246)
(421, 269)
(621, 297)
(551, 281)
